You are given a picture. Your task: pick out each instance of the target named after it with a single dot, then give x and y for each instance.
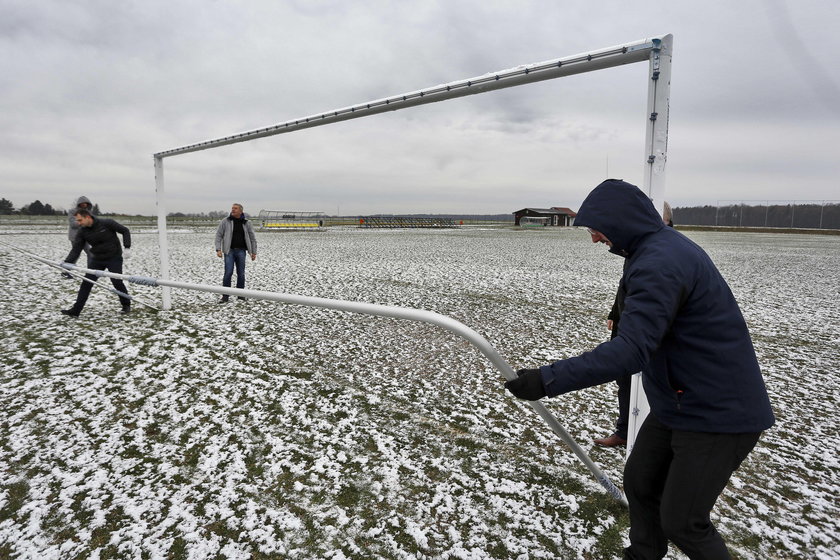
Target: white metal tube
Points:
(78, 276)
(163, 240)
(400, 313)
(637, 51)
(656, 148)
(656, 133)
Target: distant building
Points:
(554, 216)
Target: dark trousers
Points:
(113, 265)
(672, 480)
(234, 257)
(623, 405)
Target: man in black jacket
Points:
(82, 202)
(105, 254)
(682, 328)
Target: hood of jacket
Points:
(622, 212)
(82, 199)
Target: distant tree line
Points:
(813, 216)
(36, 208)
(809, 215)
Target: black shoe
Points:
(70, 312)
(240, 298)
(67, 275)
(224, 299)
(126, 309)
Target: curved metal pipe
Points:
(77, 276)
(431, 317)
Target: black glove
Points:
(527, 386)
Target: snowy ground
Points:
(262, 430)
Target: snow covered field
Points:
(260, 430)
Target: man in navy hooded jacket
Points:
(682, 328)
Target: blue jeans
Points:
(235, 257)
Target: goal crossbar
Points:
(525, 74)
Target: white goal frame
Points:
(657, 51)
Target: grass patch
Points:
(352, 497)
(468, 443)
(15, 498)
(178, 550)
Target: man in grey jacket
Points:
(234, 238)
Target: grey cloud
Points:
(92, 89)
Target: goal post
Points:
(657, 51)
(656, 146)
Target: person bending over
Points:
(105, 253)
(682, 328)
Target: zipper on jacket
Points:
(679, 396)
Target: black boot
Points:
(224, 299)
(126, 309)
(70, 312)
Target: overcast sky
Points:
(89, 90)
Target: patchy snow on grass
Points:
(263, 430)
